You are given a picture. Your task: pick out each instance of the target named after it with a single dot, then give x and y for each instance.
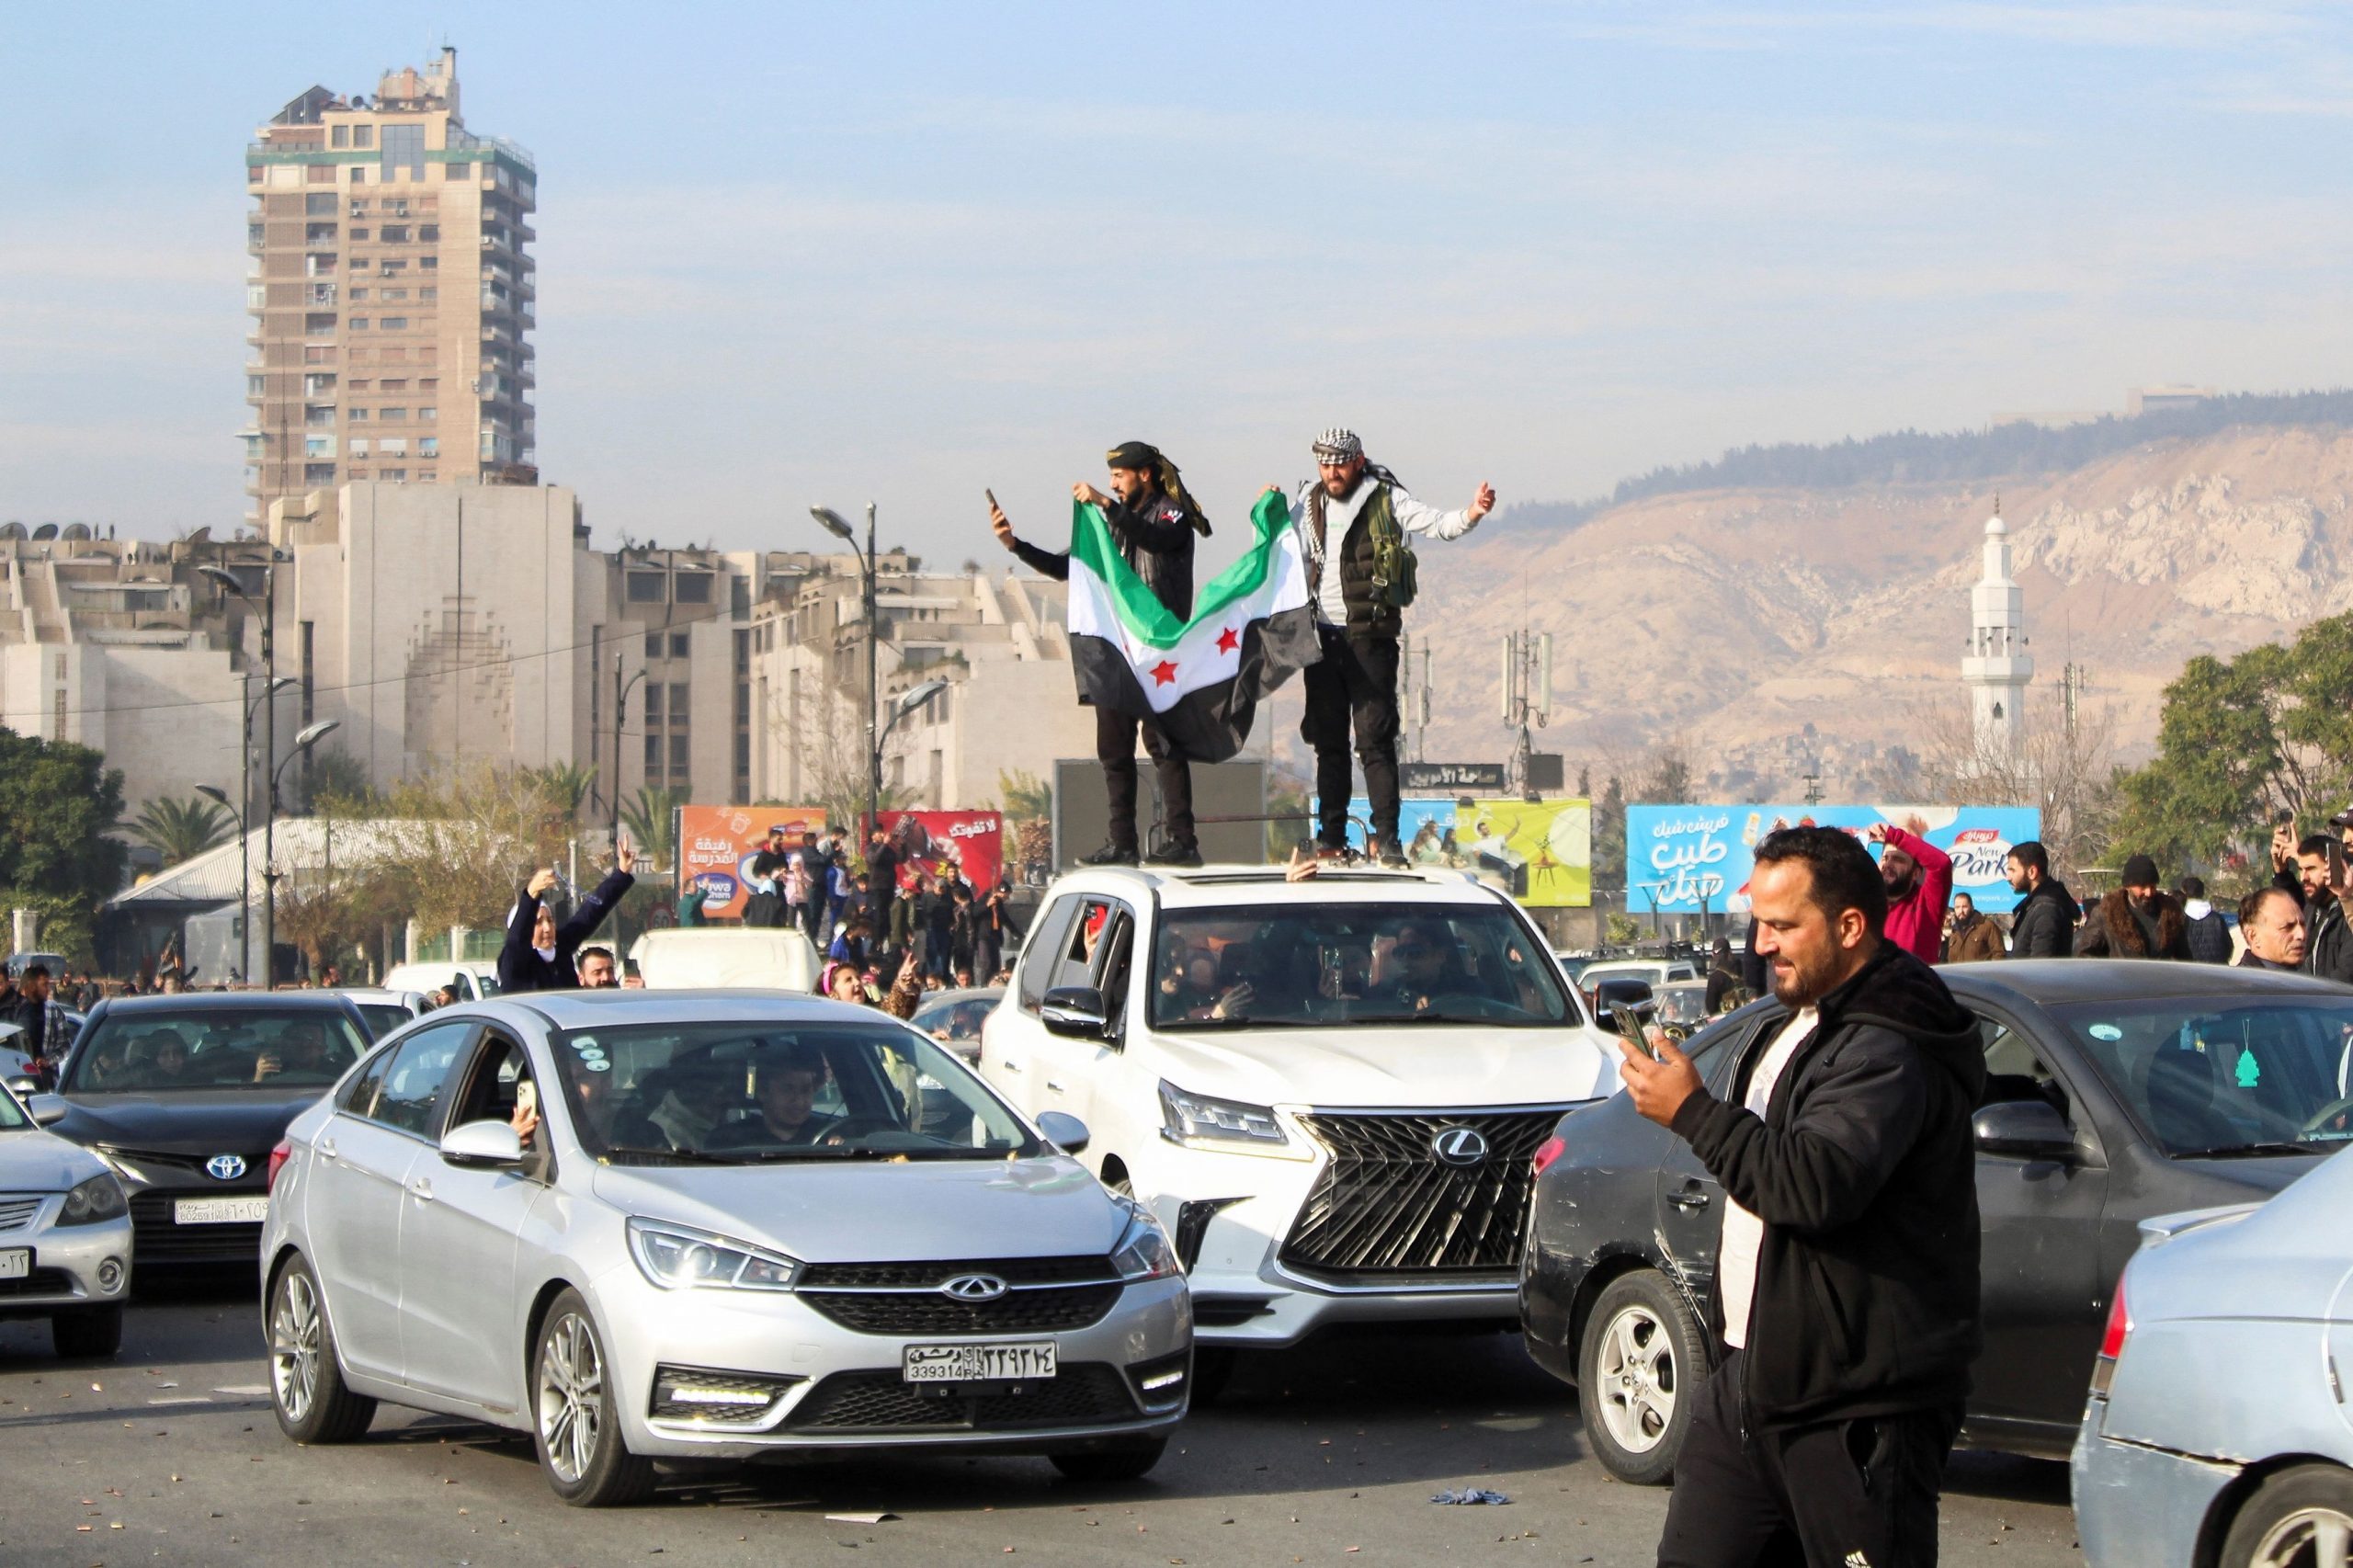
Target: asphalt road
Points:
(169, 1454)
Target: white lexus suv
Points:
(1328, 1091)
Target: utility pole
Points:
(1528, 695)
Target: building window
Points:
(358, 323)
(397, 475)
(356, 473)
(693, 587)
(645, 588)
(392, 415)
(654, 702)
(359, 236)
(313, 354)
(318, 446)
(678, 645)
(395, 324)
(678, 702)
(653, 645)
(678, 760)
(429, 233)
(428, 296)
(318, 204)
(429, 264)
(428, 416)
(358, 415)
(426, 476)
(457, 171)
(359, 296)
(394, 294)
(404, 149)
(393, 446)
(320, 174)
(359, 445)
(318, 473)
(429, 383)
(339, 137)
(428, 447)
(358, 173)
(652, 756)
(363, 135)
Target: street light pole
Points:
(833, 523)
(227, 582)
(244, 817)
(620, 720)
(310, 735)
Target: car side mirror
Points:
(1074, 1010)
(2027, 1129)
(46, 1110)
(1063, 1130)
(481, 1143)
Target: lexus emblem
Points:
(973, 1288)
(1459, 1146)
(225, 1167)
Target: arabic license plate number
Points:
(219, 1211)
(16, 1263)
(1021, 1362)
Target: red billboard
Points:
(716, 845)
(972, 841)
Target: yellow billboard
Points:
(1541, 852)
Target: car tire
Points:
(87, 1332)
(1128, 1461)
(1639, 1371)
(2279, 1524)
(575, 1417)
(307, 1392)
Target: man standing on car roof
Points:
(1352, 519)
(1848, 1271)
(539, 954)
(1155, 520)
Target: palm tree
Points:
(179, 830)
(565, 784)
(651, 819)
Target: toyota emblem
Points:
(225, 1167)
(973, 1288)
(1460, 1145)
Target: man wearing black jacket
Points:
(1848, 1275)
(539, 954)
(2044, 924)
(1155, 521)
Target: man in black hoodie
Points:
(539, 954)
(2044, 925)
(1848, 1275)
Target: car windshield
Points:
(744, 1093)
(164, 1050)
(1682, 1003)
(959, 1019)
(1353, 963)
(2210, 1076)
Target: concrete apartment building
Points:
(390, 293)
(1011, 702)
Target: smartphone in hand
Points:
(1631, 1025)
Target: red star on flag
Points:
(1164, 672)
(1227, 641)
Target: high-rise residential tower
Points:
(391, 294)
(1997, 667)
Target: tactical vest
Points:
(1377, 569)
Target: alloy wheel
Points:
(572, 1398)
(1634, 1375)
(2309, 1538)
(294, 1346)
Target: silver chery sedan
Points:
(732, 1223)
(64, 1234)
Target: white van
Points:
(475, 978)
(697, 957)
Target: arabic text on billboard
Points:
(970, 842)
(1687, 860)
(716, 845)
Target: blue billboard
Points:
(1688, 860)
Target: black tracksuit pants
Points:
(1828, 1497)
(1115, 748)
(1355, 683)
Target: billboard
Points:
(930, 840)
(1541, 851)
(716, 845)
(1680, 859)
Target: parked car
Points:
(383, 1010)
(745, 1224)
(472, 979)
(64, 1234)
(2216, 1432)
(954, 1017)
(185, 1096)
(19, 962)
(697, 957)
(2115, 1090)
(1681, 1007)
(1327, 1090)
(1658, 972)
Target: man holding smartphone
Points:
(2312, 871)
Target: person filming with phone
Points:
(2312, 871)
(540, 955)
(1848, 1271)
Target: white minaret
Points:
(1996, 668)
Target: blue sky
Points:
(792, 254)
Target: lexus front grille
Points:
(1388, 1201)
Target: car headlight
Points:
(100, 1198)
(679, 1257)
(1227, 1124)
(1143, 1252)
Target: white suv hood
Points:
(1430, 1066)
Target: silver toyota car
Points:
(716, 1225)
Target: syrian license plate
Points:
(1016, 1362)
(219, 1211)
(16, 1263)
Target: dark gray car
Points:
(2116, 1090)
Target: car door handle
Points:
(1008, 1064)
(422, 1190)
(1052, 1085)
(1694, 1200)
(326, 1148)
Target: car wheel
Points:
(90, 1332)
(576, 1423)
(1639, 1374)
(306, 1386)
(2299, 1516)
(1126, 1462)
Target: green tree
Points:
(180, 829)
(2240, 743)
(60, 805)
(651, 816)
(1610, 842)
(565, 785)
(334, 780)
(1025, 796)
